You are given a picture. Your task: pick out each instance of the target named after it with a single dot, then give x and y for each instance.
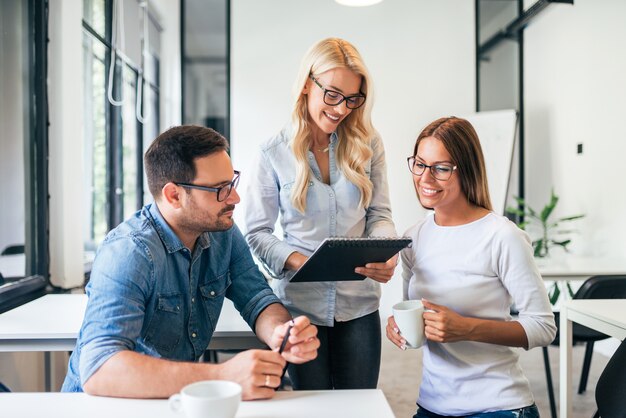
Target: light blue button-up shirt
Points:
(149, 294)
(332, 210)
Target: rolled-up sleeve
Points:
(379, 221)
(116, 308)
(262, 210)
(522, 280)
(249, 291)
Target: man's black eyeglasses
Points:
(222, 192)
(334, 98)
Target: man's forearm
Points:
(132, 375)
(271, 317)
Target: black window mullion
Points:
(116, 190)
(37, 203)
(139, 145)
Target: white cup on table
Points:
(409, 317)
(208, 398)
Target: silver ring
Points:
(267, 380)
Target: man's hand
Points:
(259, 372)
(302, 344)
(381, 272)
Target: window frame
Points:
(114, 141)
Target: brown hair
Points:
(171, 156)
(461, 141)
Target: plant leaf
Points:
(538, 245)
(570, 218)
(554, 294)
(563, 243)
(547, 209)
(565, 231)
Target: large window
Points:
(121, 41)
(23, 152)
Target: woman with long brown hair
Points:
(469, 266)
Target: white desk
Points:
(579, 268)
(302, 404)
(52, 323)
(14, 265)
(605, 315)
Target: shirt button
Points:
(212, 293)
(193, 300)
(193, 335)
(331, 195)
(332, 216)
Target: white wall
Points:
(575, 68)
(420, 54)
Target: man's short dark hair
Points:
(171, 156)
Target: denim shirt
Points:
(150, 295)
(331, 210)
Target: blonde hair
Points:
(354, 132)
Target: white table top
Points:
(52, 323)
(605, 315)
(572, 267)
(301, 404)
(14, 265)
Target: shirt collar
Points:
(333, 138)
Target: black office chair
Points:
(3, 388)
(13, 249)
(611, 386)
(596, 287)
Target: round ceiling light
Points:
(358, 3)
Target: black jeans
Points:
(348, 357)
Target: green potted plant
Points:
(551, 231)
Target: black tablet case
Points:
(336, 258)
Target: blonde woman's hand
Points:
(381, 272)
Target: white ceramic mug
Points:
(409, 316)
(208, 398)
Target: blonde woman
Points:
(325, 175)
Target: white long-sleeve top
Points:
(478, 270)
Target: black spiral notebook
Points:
(336, 258)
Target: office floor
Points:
(400, 377)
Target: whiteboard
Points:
(496, 131)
